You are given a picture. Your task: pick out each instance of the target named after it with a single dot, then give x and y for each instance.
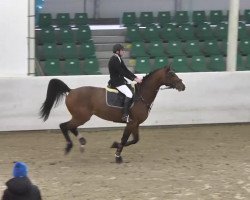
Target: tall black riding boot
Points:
(127, 104)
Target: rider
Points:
(117, 71)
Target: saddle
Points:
(115, 98)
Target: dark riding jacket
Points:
(21, 189)
(117, 71)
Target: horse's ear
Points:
(167, 68)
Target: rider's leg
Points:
(127, 102)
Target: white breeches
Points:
(125, 90)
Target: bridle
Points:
(148, 105)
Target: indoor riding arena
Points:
(189, 134)
(184, 162)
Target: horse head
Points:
(172, 80)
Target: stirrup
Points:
(126, 119)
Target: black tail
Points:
(56, 90)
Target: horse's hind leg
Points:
(72, 126)
(64, 128)
(80, 138)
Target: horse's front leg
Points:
(135, 134)
(119, 146)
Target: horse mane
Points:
(149, 75)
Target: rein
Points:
(167, 87)
(141, 98)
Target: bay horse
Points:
(83, 102)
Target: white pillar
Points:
(13, 38)
(232, 35)
(31, 37)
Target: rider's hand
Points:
(138, 80)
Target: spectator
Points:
(20, 187)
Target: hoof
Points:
(82, 149)
(68, 148)
(82, 141)
(115, 145)
(118, 159)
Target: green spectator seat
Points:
(68, 51)
(65, 35)
(151, 33)
(44, 20)
(216, 16)
(133, 34)
(156, 49)
(217, 63)
(52, 67)
(180, 64)
(174, 48)
(81, 19)
(226, 17)
(129, 19)
(142, 65)
(146, 18)
(220, 31)
(83, 34)
(204, 32)
(240, 63)
(138, 50)
(38, 52)
(198, 64)
(164, 18)
(168, 33)
(50, 51)
(87, 50)
(211, 47)
(199, 17)
(244, 47)
(192, 48)
(45, 35)
(160, 62)
(62, 19)
(186, 32)
(72, 67)
(91, 66)
(223, 47)
(243, 31)
(247, 16)
(181, 17)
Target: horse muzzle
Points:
(180, 87)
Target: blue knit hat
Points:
(20, 169)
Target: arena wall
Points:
(212, 97)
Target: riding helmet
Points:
(117, 47)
